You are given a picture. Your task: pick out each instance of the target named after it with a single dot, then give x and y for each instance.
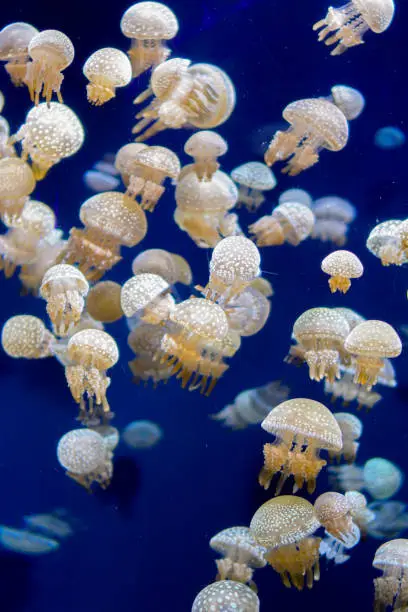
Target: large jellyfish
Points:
(391, 589)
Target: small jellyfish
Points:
(296, 195)
(290, 222)
(382, 478)
(333, 512)
(369, 344)
(157, 261)
(85, 457)
(349, 100)
(360, 513)
(53, 524)
(146, 295)
(149, 25)
(14, 41)
(91, 352)
(385, 242)
(389, 138)
(391, 589)
(341, 266)
(345, 26)
(106, 69)
(141, 434)
(100, 181)
(109, 434)
(226, 596)
(25, 336)
(302, 427)
(64, 288)
(103, 302)
(48, 250)
(16, 183)
(351, 430)
(253, 179)
(284, 526)
(333, 216)
(241, 554)
(51, 132)
(205, 147)
(145, 341)
(315, 124)
(51, 52)
(26, 543)
(126, 161)
(390, 519)
(248, 312)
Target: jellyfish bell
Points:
(143, 295)
(228, 596)
(14, 41)
(205, 147)
(349, 100)
(100, 181)
(106, 69)
(296, 195)
(26, 543)
(103, 302)
(290, 222)
(333, 511)
(351, 430)
(382, 478)
(141, 434)
(391, 589)
(341, 266)
(25, 336)
(17, 182)
(253, 179)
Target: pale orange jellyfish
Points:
(25, 336)
(16, 183)
(106, 69)
(205, 147)
(391, 589)
(14, 41)
(341, 267)
(248, 312)
(253, 179)
(334, 512)
(147, 296)
(163, 263)
(103, 302)
(290, 222)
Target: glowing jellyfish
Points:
(145, 341)
(106, 69)
(126, 161)
(290, 222)
(241, 554)
(50, 52)
(390, 519)
(382, 478)
(16, 183)
(389, 138)
(14, 41)
(351, 430)
(111, 220)
(103, 302)
(349, 100)
(302, 427)
(85, 457)
(25, 336)
(385, 242)
(51, 132)
(91, 352)
(284, 526)
(146, 295)
(253, 179)
(345, 26)
(64, 288)
(333, 512)
(369, 344)
(315, 124)
(341, 267)
(391, 589)
(141, 434)
(26, 543)
(226, 596)
(321, 332)
(205, 147)
(296, 195)
(149, 25)
(248, 312)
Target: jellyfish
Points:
(85, 457)
(248, 312)
(146, 295)
(346, 477)
(145, 341)
(333, 217)
(388, 138)
(284, 526)
(51, 132)
(263, 286)
(51, 52)
(226, 596)
(385, 242)
(302, 427)
(290, 222)
(111, 219)
(321, 332)
(52, 524)
(91, 352)
(315, 124)
(106, 69)
(241, 554)
(300, 196)
(141, 434)
(351, 430)
(205, 147)
(149, 25)
(16, 183)
(352, 317)
(100, 181)
(6, 149)
(341, 267)
(349, 100)
(25, 336)
(154, 164)
(26, 543)
(391, 589)
(333, 512)
(359, 511)
(103, 302)
(126, 161)
(109, 434)
(14, 41)
(369, 344)
(334, 550)
(253, 179)
(160, 262)
(184, 272)
(390, 519)
(60, 347)
(64, 287)
(345, 26)
(48, 250)
(382, 478)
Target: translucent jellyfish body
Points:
(201, 95)
(334, 550)
(349, 100)
(16, 183)
(51, 52)
(302, 427)
(145, 341)
(382, 478)
(346, 389)
(111, 220)
(226, 596)
(315, 124)
(385, 241)
(360, 513)
(141, 434)
(103, 302)
(100, 181)
(248, 312)
(91, 352)
(391, 589)
(205, 147)
(64, 288)
(390, 519)
(345, 26)
(85, 457)
(346, 477)
(351, 430)
(144, 295)
(290, 222)
(333, 512)
(253, 179)
(284, 526)
(6, 149)
(333, 216)
(341, 266)
(14, 41)
(48, 250)
(149, 25)
(106, 69)
(165, 264)
(321, 332)
(389, 138)
(241, 554)
(25, 336)
(126, 161)
(24, 542)
(369, 344)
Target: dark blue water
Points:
(143, 544)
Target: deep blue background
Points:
(143, 544)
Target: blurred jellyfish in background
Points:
(253, 178)
(54, 524)
(141, 434)
(389, 138)
(390, 519)
(226, 596)
(103, 302)
(382, 478)
(296, 195)
(351, 430)
(333, 217)
(290, 222)
(26, 543)
(14, 41)
(350, 101)
(334, 550)
(103, 176)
